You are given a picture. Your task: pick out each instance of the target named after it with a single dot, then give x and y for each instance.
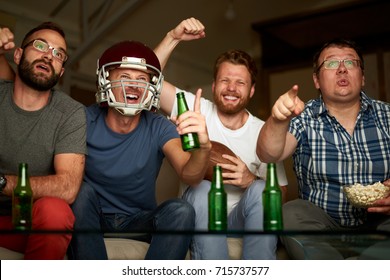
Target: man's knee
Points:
(180, 207)
(197, 196)
(298, 206)
(178, 211)
(255, 190)
(84, 198)
(252, 197)
(52, 213)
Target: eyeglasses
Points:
(44, 47)
(335, 64)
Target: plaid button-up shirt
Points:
(328, 157)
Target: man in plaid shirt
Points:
(340, 138)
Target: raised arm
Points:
(6, 44)
(188, 30)
(275, 143)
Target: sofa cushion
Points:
(6, 254)
(125, 249)
(128, 249)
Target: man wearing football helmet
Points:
(131, 55)
(127, 142)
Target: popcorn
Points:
(364, 196)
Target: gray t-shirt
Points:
(35, 137)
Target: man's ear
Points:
(252, 92)
(316, 82)
(62, 71)
(18, 55)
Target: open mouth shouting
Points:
(132, 98)
(343, 82)
(44, 67)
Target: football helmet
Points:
(132, 55)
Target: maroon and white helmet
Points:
(132, 55)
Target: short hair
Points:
(338, 42)
(45, 25)
(237, 57)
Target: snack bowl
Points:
(364, 196)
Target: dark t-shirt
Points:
(123, 168)
(35, 137)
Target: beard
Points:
(36, 81)
(230, 109)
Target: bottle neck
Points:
(22, 174)
(181, 103)
(272, 179)
(217, 182)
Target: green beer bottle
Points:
(22, 200)
(217, 202)
(272, 201)
(189, 141)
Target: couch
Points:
(129, 249)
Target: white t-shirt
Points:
(233, 139)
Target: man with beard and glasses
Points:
(230, 123)
(46, 129)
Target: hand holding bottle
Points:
(192, 122)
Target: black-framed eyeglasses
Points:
(44, 47)
(333, 64)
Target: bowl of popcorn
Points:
(364, 196)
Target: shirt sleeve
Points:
(72, 134)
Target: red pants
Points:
(49, 213)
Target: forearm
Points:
(272, 140)
(64, 187)
(165, 48)
(65, 184)
(195, 169)
(167, 98)
(187, 30)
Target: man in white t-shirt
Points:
(229, 123)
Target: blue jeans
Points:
(246, 215)
(91, 223)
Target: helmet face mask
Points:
(127, 95)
